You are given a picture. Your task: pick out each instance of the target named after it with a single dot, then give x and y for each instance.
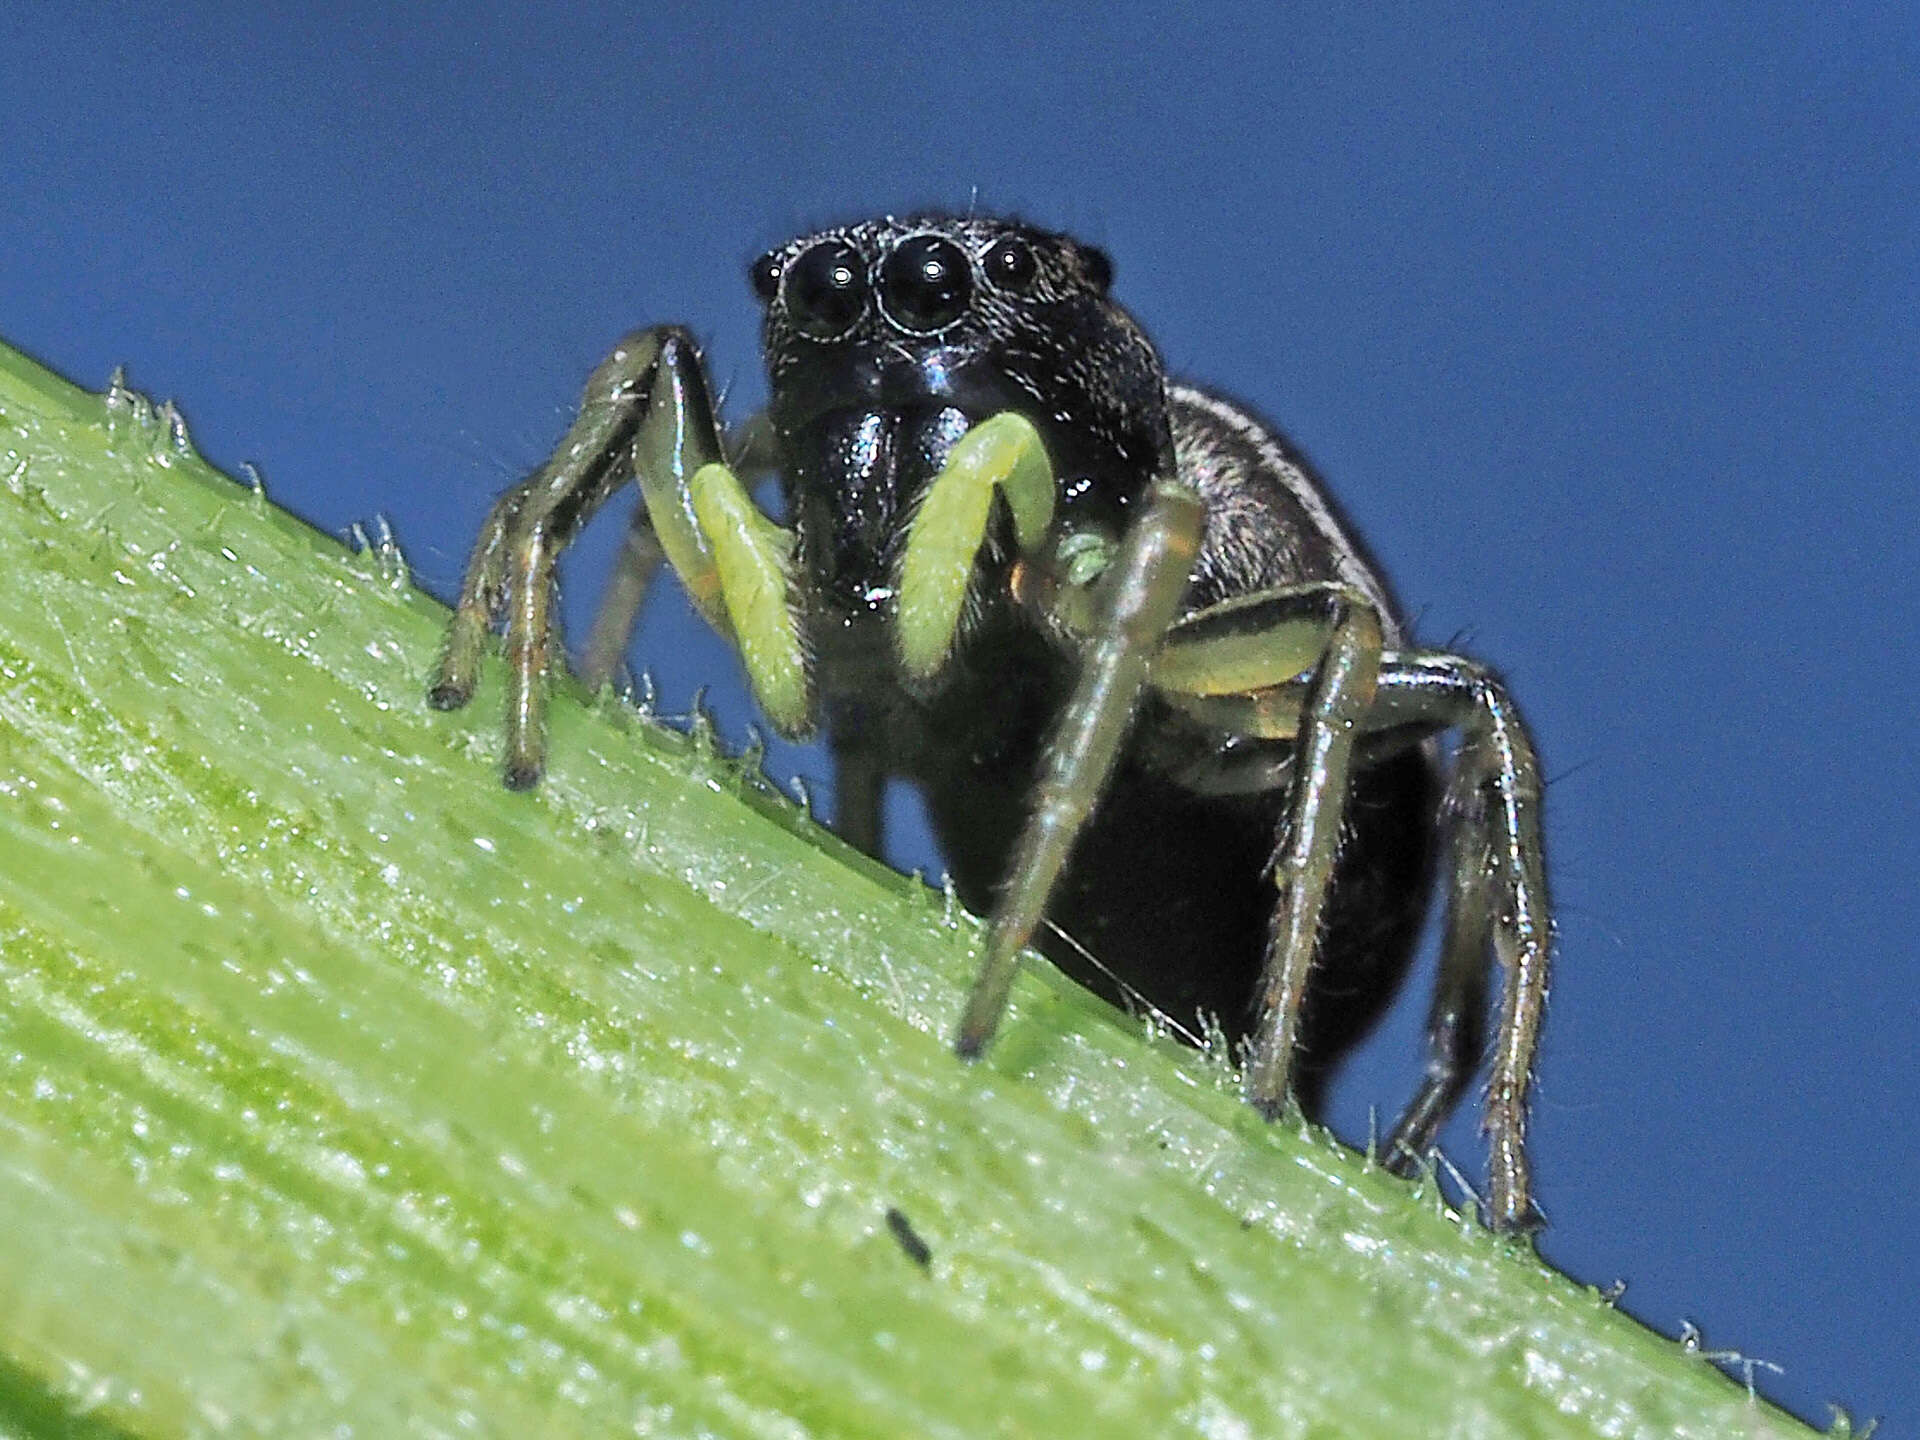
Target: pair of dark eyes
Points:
(924, 284)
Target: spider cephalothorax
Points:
(1165, 717)
(886, 342)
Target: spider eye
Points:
(826, 289)
(926, 282)
(765, 275)
(1009, 263)
(1098, 266)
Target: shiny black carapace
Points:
(1166, 717)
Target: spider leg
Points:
(633, 572)
(750, 562)
(511, 568)
(859, 781)
(1456, 1019)
(1336, 701)
(1300, 663)
(752, 447)
(1498, 890)
(1213, 670)
(482, 592)
(1138, 596)
(646, 414)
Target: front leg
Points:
(1137, 600)
(646, 414)
(510, 572)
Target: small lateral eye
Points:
(1098, 266)
(1009, 263)
(765, 275)
(826, 289)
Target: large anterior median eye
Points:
(826, 288)
(926, 282)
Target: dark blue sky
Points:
(1601, 320)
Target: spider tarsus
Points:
(1272, 1107)
(981, 1021)
(449, 695)
(1523, 1224)
(1401, 1162)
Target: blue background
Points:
(1601, 320)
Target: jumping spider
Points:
(1152, 688)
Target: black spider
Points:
(1152, 688)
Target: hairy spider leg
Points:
(1493, 811)
(1319, 646)
(1137, 599)
(511, 568)
(1337, 698)
(1457, 1015)
(1497, 904)
(612, 630)
(646, 414)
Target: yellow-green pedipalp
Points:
(1004, 453)
(751, 555)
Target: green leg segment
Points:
(1246, 666)
(675, 440)
(735, 563)
(1251, 643)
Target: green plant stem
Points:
(343, 1091)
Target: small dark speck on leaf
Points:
(909, 1238)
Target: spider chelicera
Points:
(1152, 688)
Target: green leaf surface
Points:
(344, 1092)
